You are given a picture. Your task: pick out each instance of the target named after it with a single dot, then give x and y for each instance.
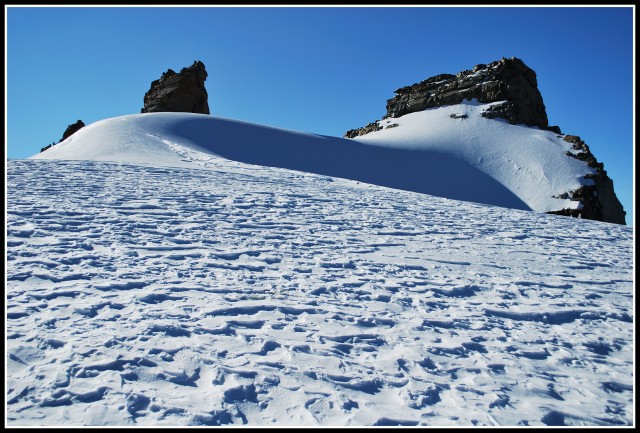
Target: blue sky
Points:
(316, 69)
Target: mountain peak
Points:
(508, 80)
(509, 90)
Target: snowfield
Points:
(473, 158)
(150, 282)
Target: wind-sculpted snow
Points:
(236, 294)
(473, 159)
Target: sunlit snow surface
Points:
(195, 290)
(473, 158)
(247, 295)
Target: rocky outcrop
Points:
(508, 80)
(598, 200)
(179, 92)
(515, 84)
(71, 129)
(47, 147)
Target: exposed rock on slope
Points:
(514, 85)
(71, 129)
(508, 80)
(599, 201)
(179, 92)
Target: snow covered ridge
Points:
(510, 90)
(465, 158)
(234, 294)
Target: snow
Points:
(473, 159)
(529, 162)
(154, 280)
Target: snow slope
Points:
(171, 276)
(166, 294)
(473, 159)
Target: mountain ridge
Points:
(502, 91)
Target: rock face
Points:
(507, 80)
(513, 82)
(598, 201)
(179, 92)
(71, 129)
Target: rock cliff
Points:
(508, 80)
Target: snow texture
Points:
(174, 287)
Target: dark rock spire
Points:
(179, 92)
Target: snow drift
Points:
(450, 152)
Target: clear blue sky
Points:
(318, 69)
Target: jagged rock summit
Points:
(514, 87)
(508, 80)
(183, 91)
